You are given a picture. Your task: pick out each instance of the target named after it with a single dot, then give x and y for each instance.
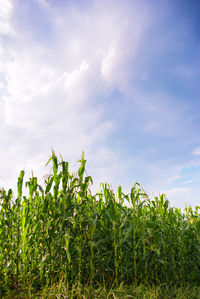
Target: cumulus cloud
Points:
(50, 79)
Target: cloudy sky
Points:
(119, 79)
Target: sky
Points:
(118, 79)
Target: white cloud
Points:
(173, 178)
(43, 3)
(108, 61)
(6, 8)
(176, 191)
(196, 151)
(189, 182)
(50, 90)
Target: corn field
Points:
(61, 232)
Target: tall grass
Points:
(61, 232)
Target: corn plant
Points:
(63, 232)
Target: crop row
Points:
(63, 232)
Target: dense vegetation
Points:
(63, 233)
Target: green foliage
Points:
(64, 233)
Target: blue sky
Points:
(117, 79)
